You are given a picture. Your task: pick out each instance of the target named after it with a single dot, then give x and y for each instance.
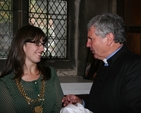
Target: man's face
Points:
(96, 44)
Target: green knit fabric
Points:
(11, 100)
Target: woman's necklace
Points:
(37, 109)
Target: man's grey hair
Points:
(108, 23)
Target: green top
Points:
(11, 100)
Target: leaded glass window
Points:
(51, 16)
(6, 24)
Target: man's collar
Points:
(105, 60)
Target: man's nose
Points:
(88, 44)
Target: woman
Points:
(26, 85)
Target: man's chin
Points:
(96, 57)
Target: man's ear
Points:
(110, 38)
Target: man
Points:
(117, 86)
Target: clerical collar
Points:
(105, 60)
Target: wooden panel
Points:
(134, 42)
(127, 12)
(136, 12)
(130, 11)
(133, 29)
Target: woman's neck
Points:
(30, 73)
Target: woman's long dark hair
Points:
(16, 56)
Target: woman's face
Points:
(33, 51)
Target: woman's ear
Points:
(24, 47)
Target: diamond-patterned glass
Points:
(6, 30)
(51, 17)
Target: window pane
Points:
(6, 23)
(51, 17)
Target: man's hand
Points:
(71, 99)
